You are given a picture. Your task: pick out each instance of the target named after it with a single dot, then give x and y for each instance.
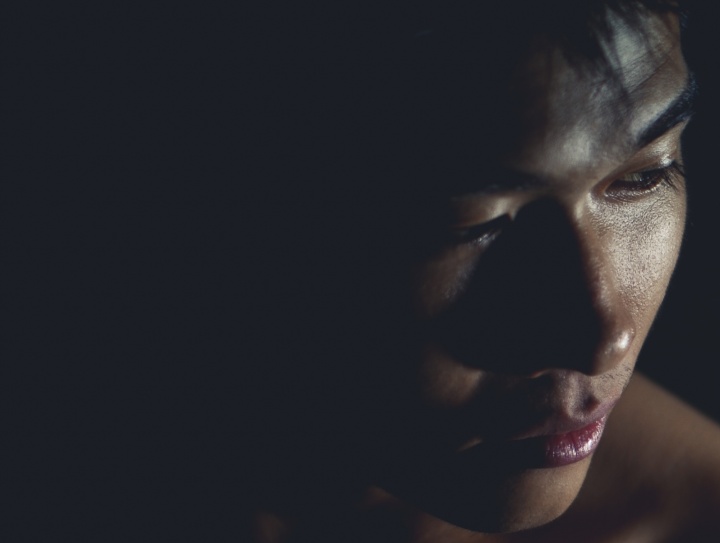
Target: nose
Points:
(544, 295)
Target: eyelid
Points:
(482, 232)
(667, 144)
(656, 155)
(647, 181)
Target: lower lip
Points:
(551, 451)
(564, 449)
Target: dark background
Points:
(131, 166)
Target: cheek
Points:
(437, 284)
(644, 244)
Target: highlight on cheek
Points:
(647, 238)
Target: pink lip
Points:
(557, 443)
(564, 449)
(544, 451)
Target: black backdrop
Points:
(127, 231)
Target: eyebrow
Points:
(510, 180)
(680, 110)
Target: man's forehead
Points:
(451, 120)
(639, 54)
(578, 120)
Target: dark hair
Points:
(332, 54)
(361, 90)
(362, 32)
(357, 81)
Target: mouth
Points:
(548, 450)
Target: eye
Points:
(480, 234)
(639, 183)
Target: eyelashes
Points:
(482, 233)
(629, 188)
(640, 183)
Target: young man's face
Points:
(526, 319)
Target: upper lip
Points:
(563, 424)
(554, 424)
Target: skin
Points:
(539, 322)
(613, 253)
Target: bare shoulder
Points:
(663, 457)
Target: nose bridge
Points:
(590, 326)
(546, 298)
(597, 272)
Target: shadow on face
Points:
(469, 251)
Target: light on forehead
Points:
(579, 125)
(636, 53)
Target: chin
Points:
(499, 502)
